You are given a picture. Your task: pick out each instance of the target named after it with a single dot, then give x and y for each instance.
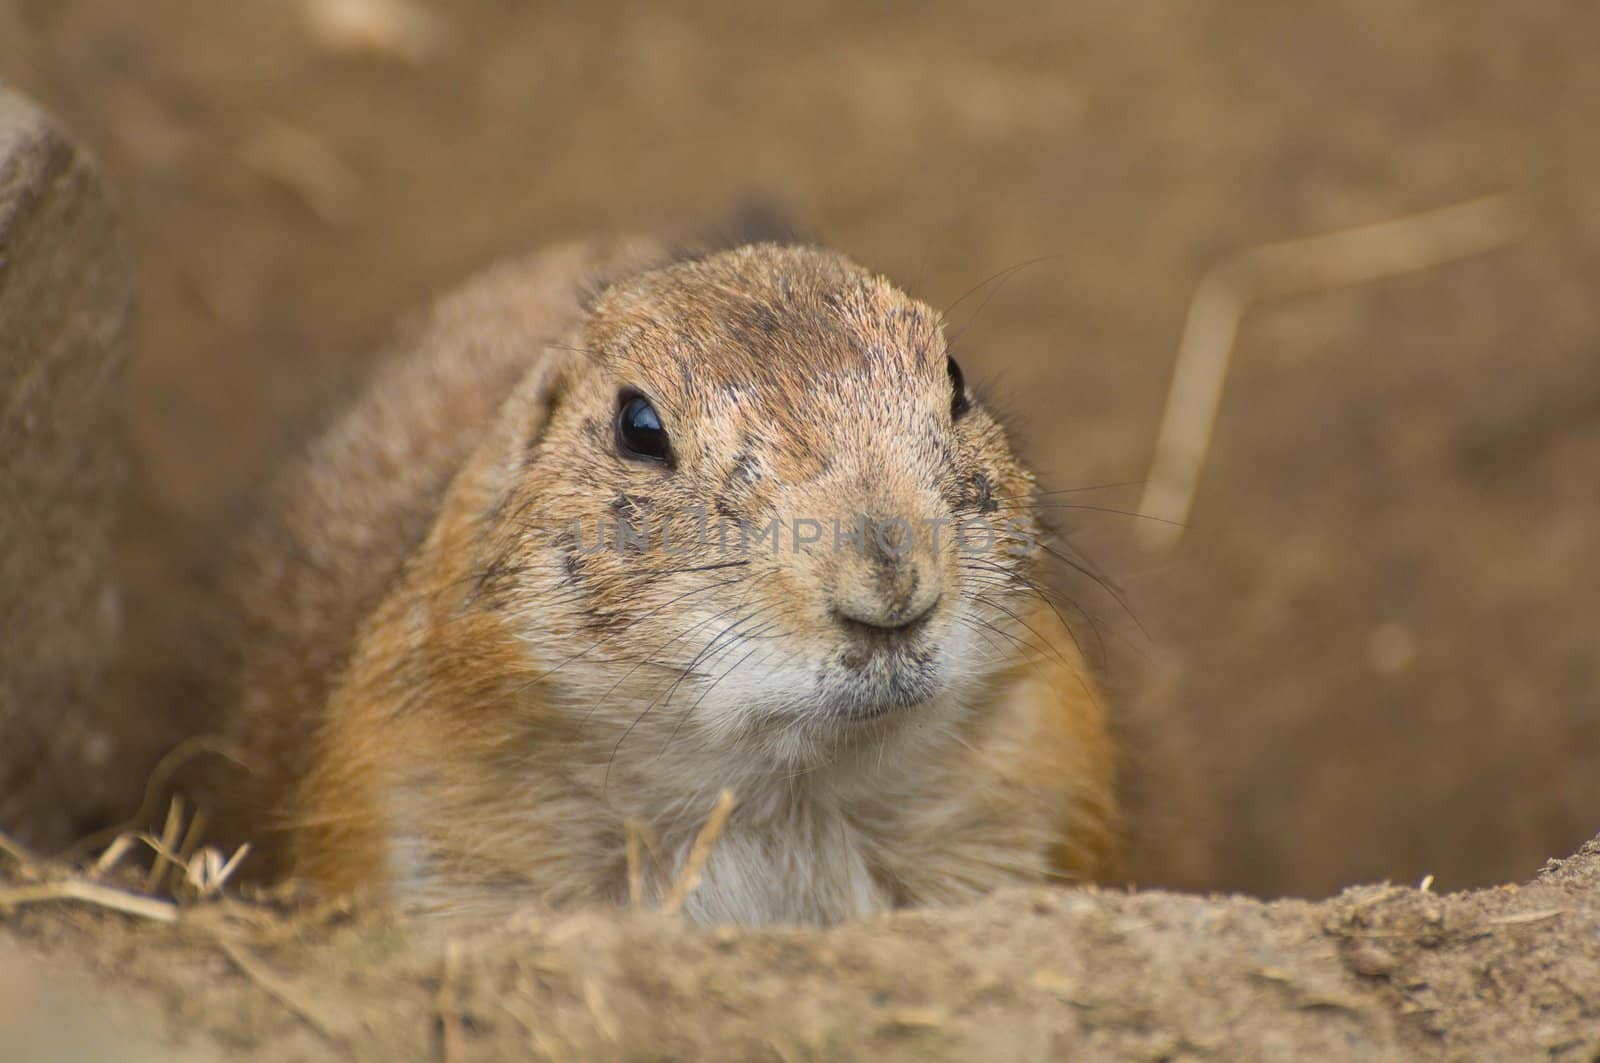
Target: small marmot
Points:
(615, 530)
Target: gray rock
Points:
(65, 293)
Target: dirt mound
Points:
(1379, 972)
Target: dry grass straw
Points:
(45, 886)
(86, 892)
(202, 872)
(689, 878)
(1268, 271)
(452, 1026)
(1528, 918)
(156, 787)
(635, 865)
(166, 852)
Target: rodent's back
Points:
(337, 526)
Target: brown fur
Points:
(449, 700)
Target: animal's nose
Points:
(887, 591)
(884, 617)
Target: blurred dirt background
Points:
(1373, 655)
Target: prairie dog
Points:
(615, 531)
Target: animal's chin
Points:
(802, 714)
(842, 710)
(839, 699)
(887, 685)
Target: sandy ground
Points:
(1377, 973)
(1372, 657)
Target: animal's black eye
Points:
(960, 403)
(639, 430)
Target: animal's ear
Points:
(493, 471)
(471, 536)
(754, 220)
(527, 411)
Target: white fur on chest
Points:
(881, 825)
(807, 865)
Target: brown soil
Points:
(1373, 656)
(1377, 973)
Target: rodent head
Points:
(765, 506)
